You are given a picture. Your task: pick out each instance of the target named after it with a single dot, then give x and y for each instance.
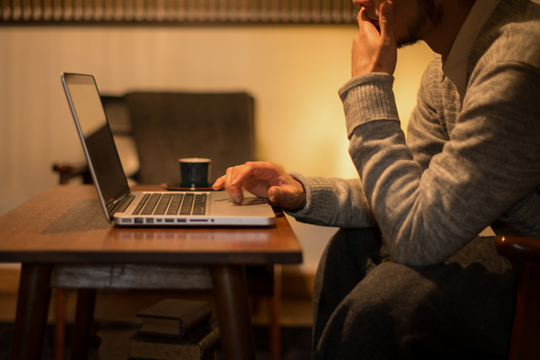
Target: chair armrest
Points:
(519, 248)
(68, 171)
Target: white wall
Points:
(292, 71)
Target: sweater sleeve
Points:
(427, 211)
(427, 132)
(334, 202)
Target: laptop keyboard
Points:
(172, 204)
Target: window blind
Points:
(177, 11)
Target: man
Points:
(407, 276)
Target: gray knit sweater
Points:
(466, 162)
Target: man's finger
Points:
(362, 16)
(386, 20)
(235, 192)
(260, 170)
(218, 184)
(364, 22)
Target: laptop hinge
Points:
(120, 205)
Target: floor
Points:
(296, 343)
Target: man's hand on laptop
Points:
(266, 180)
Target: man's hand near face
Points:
(374, 48)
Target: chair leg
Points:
(526, 328)
(60, 325)
(86, 300)
(274, 331)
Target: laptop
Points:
(147, 208)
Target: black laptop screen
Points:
(98, 141)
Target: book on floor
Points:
(198, 344)
(174, 317)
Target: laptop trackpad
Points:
(251, 206)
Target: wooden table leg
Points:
(59, 325)
(32, 310)
(274, 330)
(233, 314)
(84, 315)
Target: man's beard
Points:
(428, 14)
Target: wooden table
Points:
(61, 236)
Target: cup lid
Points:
(194, 160)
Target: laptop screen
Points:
(99, 146)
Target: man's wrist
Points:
(302, 193)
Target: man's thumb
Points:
(386, 19)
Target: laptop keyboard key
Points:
(187, 204)
(199, 207)
(150, 204)
(141, 204)
(175, 204)
(162, 205)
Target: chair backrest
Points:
(168, 126)
(117, 113)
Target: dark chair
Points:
(155, 129)
(169, 126)
(526, 327)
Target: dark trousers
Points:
(368, 307)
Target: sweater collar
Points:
(455, 67)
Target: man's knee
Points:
(394, 287)
(427, 309)
(368, 323)
(372, 319)
(343, 265)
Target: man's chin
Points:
(401, 43)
